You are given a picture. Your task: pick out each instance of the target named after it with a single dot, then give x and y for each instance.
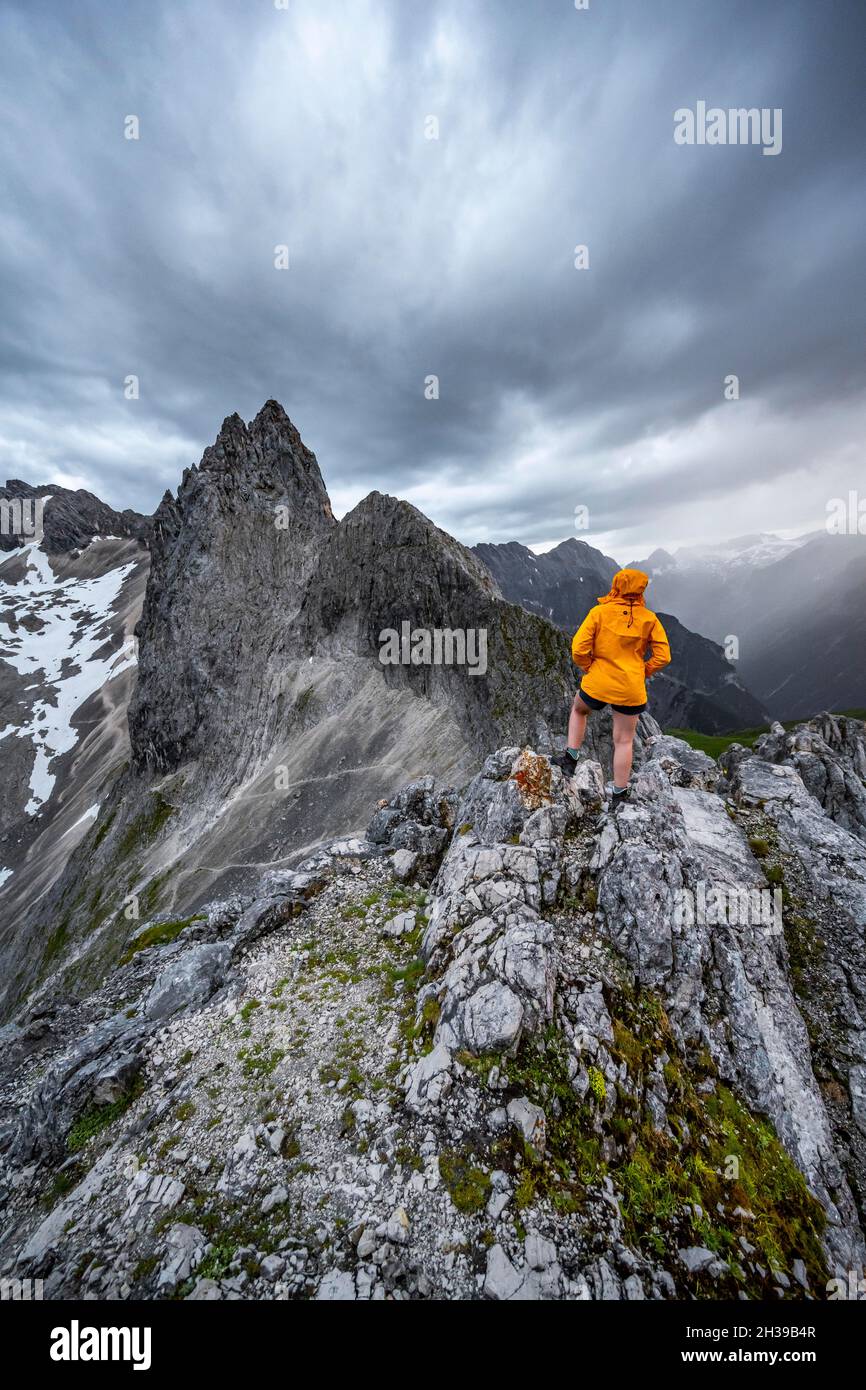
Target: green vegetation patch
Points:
(145, 827)
(102, 830)
(678, 1189)
(63, 1183)
(145, 1268)
(55, 943)
(715, 744)
(98, 1117)
(217, 1261)
(258, 1063)
(468, 1186)
(160, 934)
(228, 1227)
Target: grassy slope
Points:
(714, 744)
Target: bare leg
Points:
(624, 726)
(577, 723)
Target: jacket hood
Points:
(627, 584)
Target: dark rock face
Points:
(71, 519)
(189, 982)
(386, 565)
(95, 1069)
(561, 585)
(263, 617)
(230, 557)
(699, 690)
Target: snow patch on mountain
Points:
(56, 630)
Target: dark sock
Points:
(619, 791)
(573, 753)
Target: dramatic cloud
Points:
(410, 257)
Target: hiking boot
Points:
(566, 764)
(618, 800)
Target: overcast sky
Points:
(306, 126)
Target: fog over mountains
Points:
(796, 608)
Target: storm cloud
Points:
(308, 126)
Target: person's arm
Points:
(661, 650)
(583, 640)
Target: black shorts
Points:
(600, 704)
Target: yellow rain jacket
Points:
(611, 644)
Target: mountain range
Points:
(261, 719)
(699, 690)
(319, 980)
(186, 694)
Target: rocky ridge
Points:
(71, 518)
(478, 1052)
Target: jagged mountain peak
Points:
(386, 563)
(232, 554)
(571, 543)
(271, 420)
(267, 452)
(233, 427)
(16, 487)
(272, 413)
(571, 556)
(246, 474)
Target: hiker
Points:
(612, 648)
